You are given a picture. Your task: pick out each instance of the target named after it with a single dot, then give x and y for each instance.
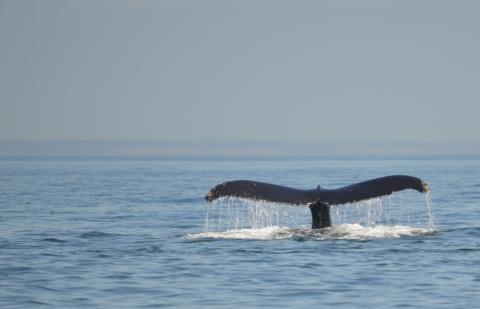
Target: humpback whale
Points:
(319, 199)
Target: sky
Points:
(240, 71)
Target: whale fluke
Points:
(257, 190)
(319, 200)
(373, 188)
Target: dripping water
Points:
(431, 215)
(403, 208)
(231, 213)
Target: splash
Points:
(266, 233)
(339, 232)
(401, 214)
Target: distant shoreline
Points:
(231, 158)
(235, 149)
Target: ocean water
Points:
(93, 233)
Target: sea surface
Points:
(137, 233)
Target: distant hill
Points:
(217, 149)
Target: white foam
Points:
(266, 233)
(358, 232)
(342, 231)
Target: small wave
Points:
(36, 302)
(52, 239)
(465, 230)
(342, 231)
(468, 249)
(41, 287)
(95, 234)
(16, 270)
(150, 250)
(183, 200)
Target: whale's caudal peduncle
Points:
(319, 200)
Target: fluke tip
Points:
(425, 186)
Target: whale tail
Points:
(319, 200)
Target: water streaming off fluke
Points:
(397, 215)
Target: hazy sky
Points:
(240, 70)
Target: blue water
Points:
(131, 234)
